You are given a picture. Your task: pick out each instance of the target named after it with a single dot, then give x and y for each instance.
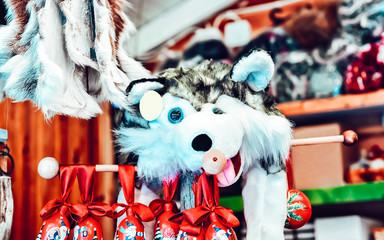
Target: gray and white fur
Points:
(216, 106)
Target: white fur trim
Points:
(265, 204)
(139, 89)
(265, 135)
(59, 88)
(156, 157)
(257, 69)
(77, 32)
(130, 66)
(110, 75)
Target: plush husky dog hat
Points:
(229, 105)
(215, 106)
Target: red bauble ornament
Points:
(55, 227)
(89, 229)
(165, 229)
(365, 73)
(130, 227)
(362, 78)
(299, 209)
(218, 231)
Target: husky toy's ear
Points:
(256, 69)
(136, 89)
(143, 92)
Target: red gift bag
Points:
(89, 228)
(207, 220)
(131, 227)
(164, 209)
(59, 214)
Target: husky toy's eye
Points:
(217, 111)
(175, 115)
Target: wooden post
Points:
(6, 207)
(6, 198)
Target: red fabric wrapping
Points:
(67, 179)
(142, 212)
(186, 226)
(288, 163)
(210, 190)
(78, 212)
(127, 180)
(157, 206)
(190, 220)
(197, 215)
(169, 187)
(196, 187)
(99, 209)
(85, 177)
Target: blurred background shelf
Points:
(342, 103)
(347, 194)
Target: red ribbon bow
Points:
(85, 177)
(127, 180)
(198, 215)
(142, 212)
(169, 187)
(191, 219)
(98, 209)
(78, 212)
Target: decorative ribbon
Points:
(191, 220)
(127, 180)
(78, 212)
(141, 211)
(198, 215)
(85, 177)
(288, 163)
(169, 187)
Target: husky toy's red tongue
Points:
(215, 163)
(228, 175)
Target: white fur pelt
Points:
(60, 76)
(67, 56)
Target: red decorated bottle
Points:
(299, 209)
(165, 229)
(130, 228)
(55, 227)
(218, 231)
(187, 236)
(89, 229)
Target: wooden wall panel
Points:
(70, 141)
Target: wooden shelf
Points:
(335, 104)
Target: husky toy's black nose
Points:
(202, 143)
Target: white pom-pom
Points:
(48, 168)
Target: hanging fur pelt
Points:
(67, 56)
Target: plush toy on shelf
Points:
(221, 118)
(214, 106)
